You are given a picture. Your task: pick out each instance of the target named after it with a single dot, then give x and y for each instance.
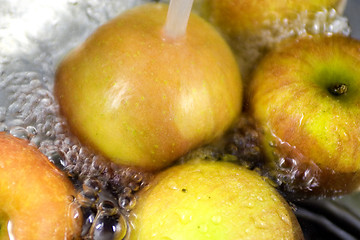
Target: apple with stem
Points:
(254, 27)
(205, 199)
(142, 95)
(304, 97)
(37, 199)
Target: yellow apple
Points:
(36, 198)
(142, 100)
(305, 100)
(211, 200)
(239, 16)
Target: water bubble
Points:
(104, 228)
(57, 158)
(251, 47)
(127, 203)
(3, 127)
(87, 198)
(92, 185)
(19, 132)
(243, 142)
(134, 186)
(108, 208)
(75, 213)
(31, 131)
(137, 178)
(126, 192)
(88, 216)
(108, 227)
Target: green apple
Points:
(142, 100)
(36, 197)
(248, 16)
(211, 200)
(305, 98)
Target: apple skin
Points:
(204, 199)
(236, 17)
(309, 135)
(144, 101)
(36, 197)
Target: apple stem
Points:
(177, 18)
(338, 89)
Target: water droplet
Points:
(203, 228)
(216, 219)
(185, 216)
(259, 198)
(260, 223)
(272, 144)
(172, 185)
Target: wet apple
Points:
(37, 199)
(211, 200)
(305, 100)
(248, 16)
(143, 100)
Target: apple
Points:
(205, 199)
(253, 28)
(142, 100)
(236, 17)
(305, 100)
(36, 197)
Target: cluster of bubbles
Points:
(28, 109)
(243, 142)
(32, 114)
(104, 218)
(250, 48)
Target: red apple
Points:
(36, 198)
(142, 100)
(305, 99)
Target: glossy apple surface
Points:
(305, 97)
(248, 16)
(211, 200)
(36, 198)
(142, 100)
